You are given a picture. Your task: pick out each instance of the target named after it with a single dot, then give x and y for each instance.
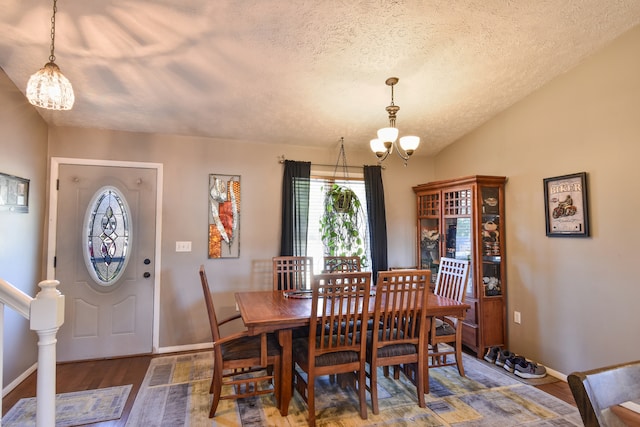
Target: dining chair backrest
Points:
(339, 308)
(208, 301)
(400, 298)
(452, 277)
(334, 264)
(292, 273)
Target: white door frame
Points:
(53, 222)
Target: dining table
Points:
(274, 311)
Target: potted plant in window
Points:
(342, 223)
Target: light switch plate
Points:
(183, 246)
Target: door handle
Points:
(147, 261)
(146, 274)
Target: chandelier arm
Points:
(403, 155)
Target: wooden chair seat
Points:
(249, 347)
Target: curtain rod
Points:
(282, 159)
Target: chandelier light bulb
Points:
(409, 144)
(388, 134)
(377, 146)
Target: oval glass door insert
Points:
(106, 236)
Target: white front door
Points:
(105, 319)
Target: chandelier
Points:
(384, 144)
(49, 88)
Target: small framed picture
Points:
(566, 205)
(14, 193)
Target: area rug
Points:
(73, 409)
(175, 392)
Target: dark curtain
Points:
(377, 218)
(295, 208)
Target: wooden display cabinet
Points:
(464, 218)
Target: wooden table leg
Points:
(286, 370)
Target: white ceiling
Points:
(303, 72)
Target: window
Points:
(106, 236)
(317, 189)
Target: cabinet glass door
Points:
(429, 229)
(430, 246)
(491, 241)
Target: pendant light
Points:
(49, 88)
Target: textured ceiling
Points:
(303, 72)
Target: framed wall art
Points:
(14, 193)
(224, 216)
(566, 205)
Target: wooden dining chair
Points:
(337, 335)
(292, 273)
(397, 338)
(451, 282)
(334, 264)
(240, 360)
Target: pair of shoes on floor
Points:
(497, 356)
(515, 364)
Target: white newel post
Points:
(47, 315)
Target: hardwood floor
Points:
(131, 370)
(89, 375)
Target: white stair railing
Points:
(46, 314)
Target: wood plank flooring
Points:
(94, 374)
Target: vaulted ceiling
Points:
(303, 72)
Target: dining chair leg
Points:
(373, 387)
(217, 389)
(311, 400)
(459, 351)
(420, 386)
(362, 389)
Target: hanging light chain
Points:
(52, 57)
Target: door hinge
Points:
(55, 261)
(57, 184)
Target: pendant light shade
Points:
(49, 88)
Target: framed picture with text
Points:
(566, 205)
(14, 193)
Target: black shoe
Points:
(503, 356)
(492, 354)
(512, 361)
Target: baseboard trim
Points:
(558, 375)
(180, 348)
(15, 383)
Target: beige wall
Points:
(23, 153)
(578, 296)
(187, 164)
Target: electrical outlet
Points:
(516, 317)
(183, 246)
